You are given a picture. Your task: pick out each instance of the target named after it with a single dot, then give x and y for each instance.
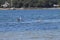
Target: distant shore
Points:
(24, 8)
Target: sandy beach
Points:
(25, 8)
(31, 35)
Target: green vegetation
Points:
(31, 3)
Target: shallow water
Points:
(34, 21)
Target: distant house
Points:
(55, 5)
(6, 4)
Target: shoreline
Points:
(25, 8)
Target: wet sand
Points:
(31, 35)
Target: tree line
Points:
(31, 3)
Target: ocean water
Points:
(40, 24)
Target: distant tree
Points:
(31, 3)
(58, 1)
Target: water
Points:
(38, 22)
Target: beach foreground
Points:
(31, 35)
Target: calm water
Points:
(50, 20)
(34, 24)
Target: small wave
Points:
(35, 21)
(52, 20)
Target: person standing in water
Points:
(19, 19)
